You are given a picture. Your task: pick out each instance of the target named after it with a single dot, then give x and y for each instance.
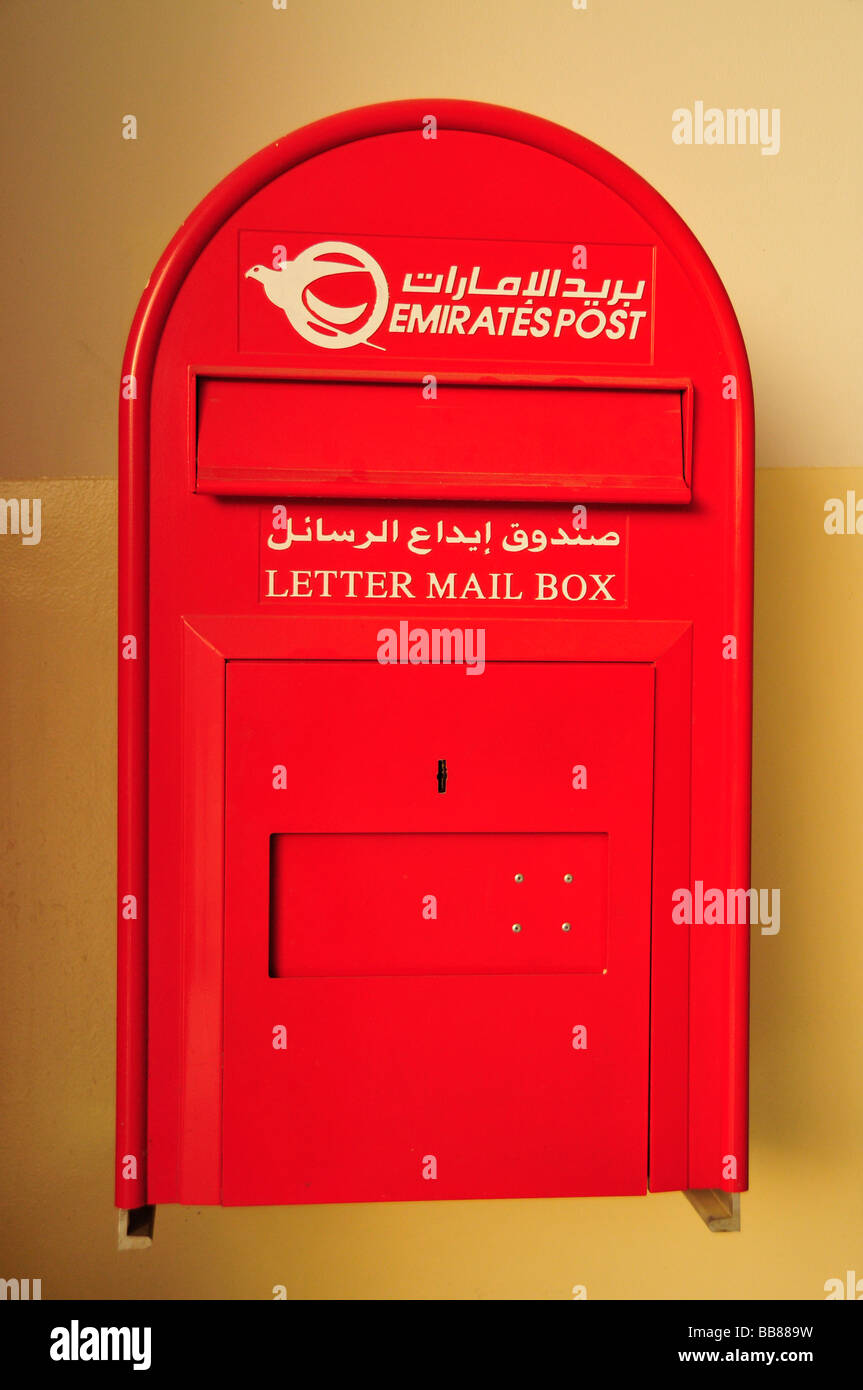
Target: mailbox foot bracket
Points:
(720, 1211)
(135, 1228)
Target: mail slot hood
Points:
(458, 438)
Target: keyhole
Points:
(441, 774)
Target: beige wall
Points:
(87, 215)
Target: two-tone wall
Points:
(87, 214)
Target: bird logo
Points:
(328, 325)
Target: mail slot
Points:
(436, 443)
(267, 437)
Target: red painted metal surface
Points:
(464, 928)
(287, 437)
(460, 1047)
(256, 607)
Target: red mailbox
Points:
(435, 680)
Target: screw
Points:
(516, 926)
(566, 926)
(567, 878)
(519, 878)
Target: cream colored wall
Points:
(86, 216)
(87, 213)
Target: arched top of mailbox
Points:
(510, 198)
(408, 116)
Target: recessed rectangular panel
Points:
(387, 439)
(517, 1061)
(438, 904)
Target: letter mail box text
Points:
(435, 674)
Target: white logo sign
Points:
(327, 325)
